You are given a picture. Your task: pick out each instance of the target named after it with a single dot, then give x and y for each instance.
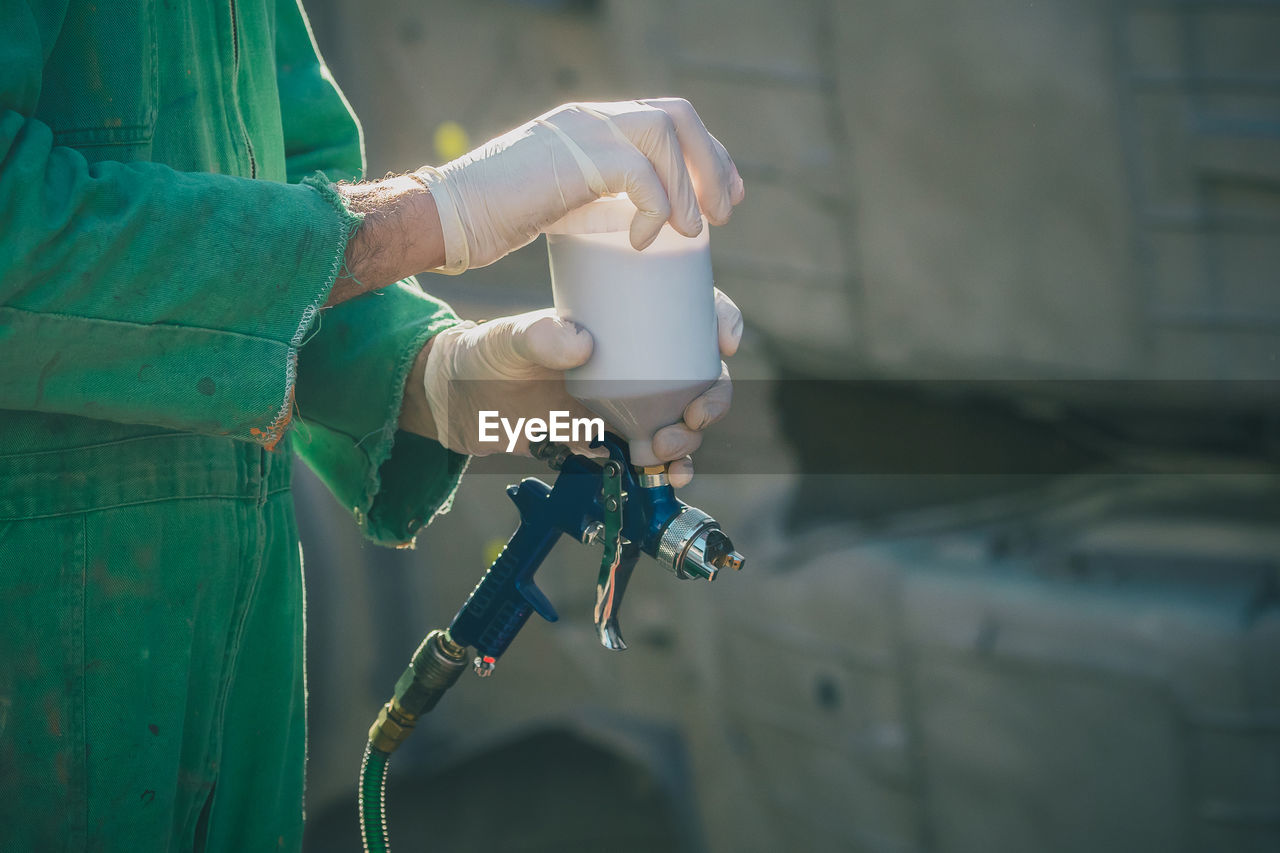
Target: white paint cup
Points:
(651, 313)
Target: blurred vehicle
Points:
(1003, 458)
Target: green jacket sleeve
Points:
(352, 370)
(135, 293)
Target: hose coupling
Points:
(392, 728)
(435, 668)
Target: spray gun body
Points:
(593, 500)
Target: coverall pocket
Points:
(166, 586)
(151, 628)
(121, 632)
(99, 91)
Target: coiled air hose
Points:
(434, 668)
(373, 800)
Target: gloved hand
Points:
(500, 196)
(515, 366)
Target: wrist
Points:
(415, 412)
(398, 236)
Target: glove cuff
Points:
(457, 252)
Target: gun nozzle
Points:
(694, 546)
(731, 560)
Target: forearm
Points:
(135, 293)
(400, 236)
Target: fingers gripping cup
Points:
(651, 313)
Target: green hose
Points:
(373, 805)
(434, 668)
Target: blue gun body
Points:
(502, 602)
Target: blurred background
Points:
(1002, 458)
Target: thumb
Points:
(552, 342)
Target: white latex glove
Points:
(500, 196)
(515, 366)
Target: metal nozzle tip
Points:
(728, 559)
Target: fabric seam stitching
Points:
(347, 225)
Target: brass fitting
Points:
(435, 668)
(392, 728)
(651, 476)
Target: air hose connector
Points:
(435, 668)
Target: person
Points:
(194, 283)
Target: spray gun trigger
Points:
(537, 600)
(615, 565)
(609, 591)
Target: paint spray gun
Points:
(622, 502)
(629, 510)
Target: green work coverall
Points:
(164, 247)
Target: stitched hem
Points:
(381, 450)
(347, 224)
